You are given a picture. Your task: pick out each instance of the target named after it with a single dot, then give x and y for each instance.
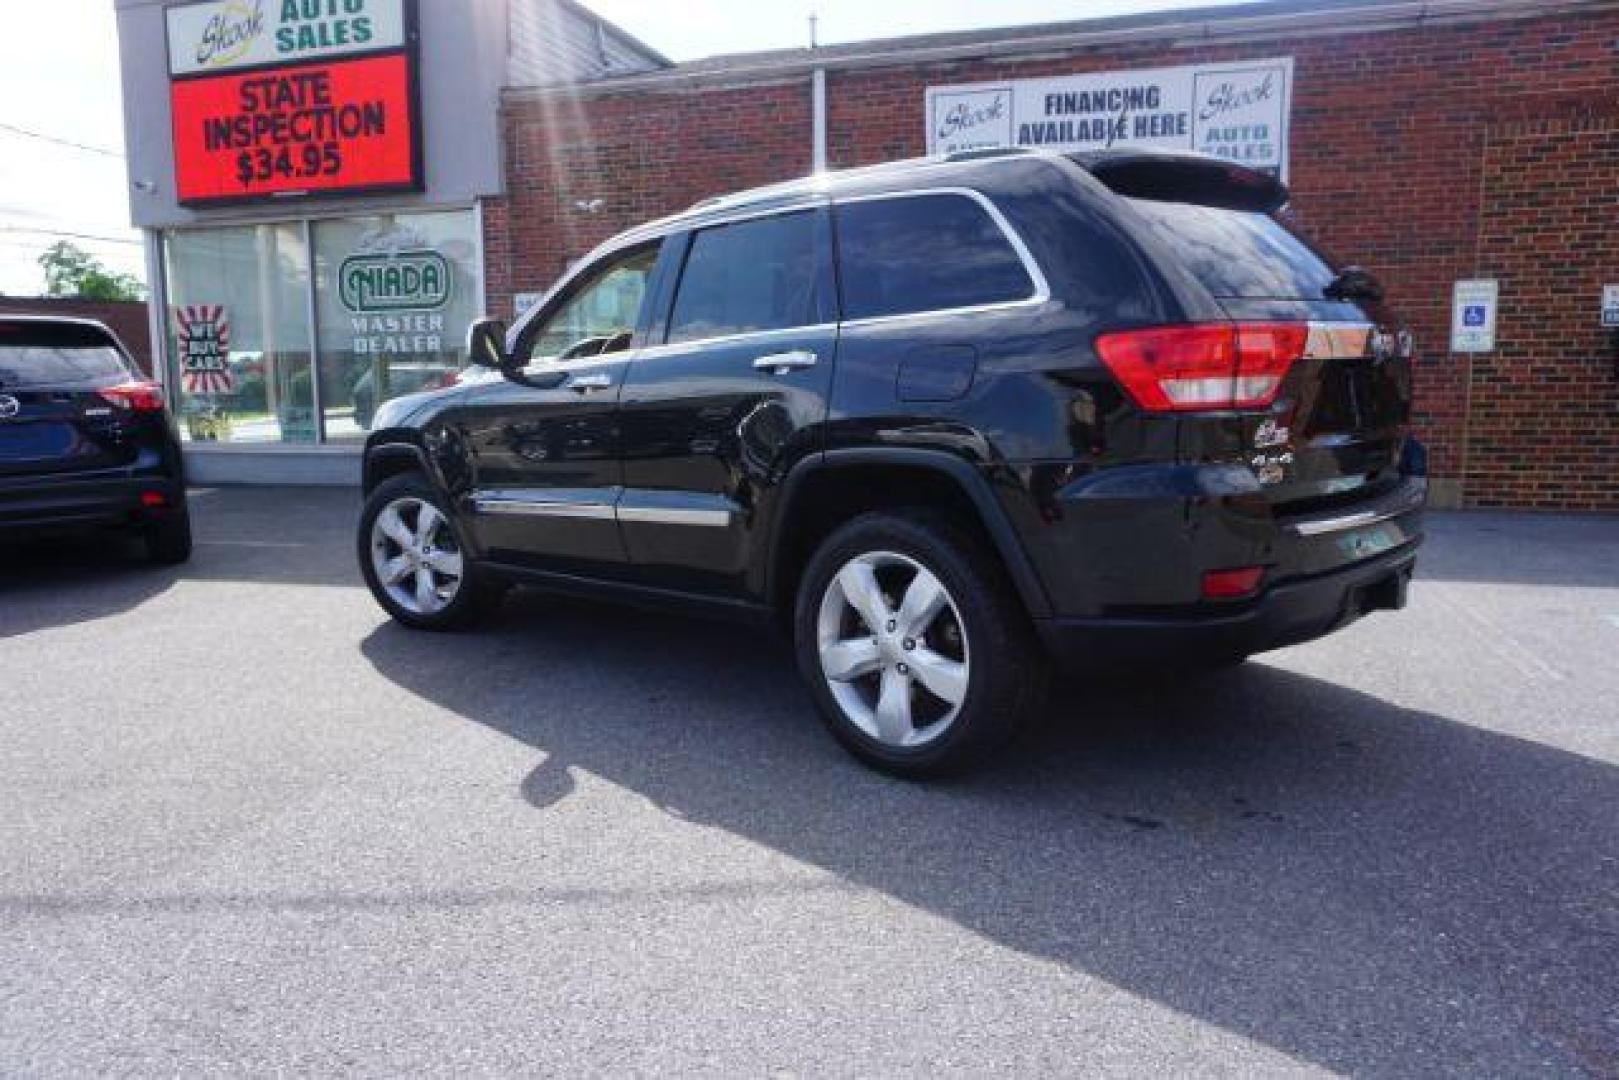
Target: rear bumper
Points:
(41, 504)
(1289, 613)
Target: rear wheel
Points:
(914, 646)
(415, 560)
(168, 540)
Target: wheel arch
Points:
(390, 457)
(822, 493)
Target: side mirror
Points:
(486, 344)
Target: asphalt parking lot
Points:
(249, 825)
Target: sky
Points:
(59, 77)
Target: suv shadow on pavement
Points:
(1366, 887)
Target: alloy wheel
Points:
(892, 649)
(415, 556)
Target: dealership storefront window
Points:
(385, 299)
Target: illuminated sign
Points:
(225, 35)
(277, 98)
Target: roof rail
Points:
(987, 152)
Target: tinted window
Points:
(1238, 253)
(603, 312)
(924, 253)
(45, 355)
(754, 275)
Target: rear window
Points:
(46, 355)
(1238, 254)
(920, 253)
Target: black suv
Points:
(948, 419)
(86, 441)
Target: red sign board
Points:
(340, 125)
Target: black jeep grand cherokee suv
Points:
(950, 419)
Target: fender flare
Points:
(392, 449)
(963, 474)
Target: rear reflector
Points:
(1211, 366)
(136, 396)
(1229, 584)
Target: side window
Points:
(601, 314)
(754, 275)
(917, 253)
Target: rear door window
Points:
(749, 277)
(1238, 254)
(58, 356)
(917, 253)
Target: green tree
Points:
(72, 271)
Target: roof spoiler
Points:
(1189, 178)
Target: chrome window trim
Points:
(661, 231)
(1037, 277)
(674, 348)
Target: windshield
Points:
(1239, 254)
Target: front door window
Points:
(599, 315)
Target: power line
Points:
(66, 233)
(15, 130)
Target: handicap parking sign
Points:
(1474, 315)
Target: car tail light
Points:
(1230, 584)
(1210, 366)
(154, 499)
(135, 396)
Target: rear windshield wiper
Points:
(1353, 283)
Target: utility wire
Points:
(72, 235)
(15, 130)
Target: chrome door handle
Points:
(783, 362)
(586, 384)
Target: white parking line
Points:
(252, 543)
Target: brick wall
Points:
(126, 319)
(1427, 154)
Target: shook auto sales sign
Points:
(292, 97)
(1237, 111)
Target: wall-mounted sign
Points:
(202, 334)
(225, 35)
(395, 286)
(1610, 307)
(394, 281)
(1238, 111)
(1472, 316)
(296, 97)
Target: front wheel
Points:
(914, 645)
(415, 561)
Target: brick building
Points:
(1433, 142)
(329, 254)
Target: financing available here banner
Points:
(1237, 110)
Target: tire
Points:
(168, 540)
(960, 686)
(458, 591)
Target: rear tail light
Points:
(154, 499)
(1211, 366)
(1231, 584)
(135, 396)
